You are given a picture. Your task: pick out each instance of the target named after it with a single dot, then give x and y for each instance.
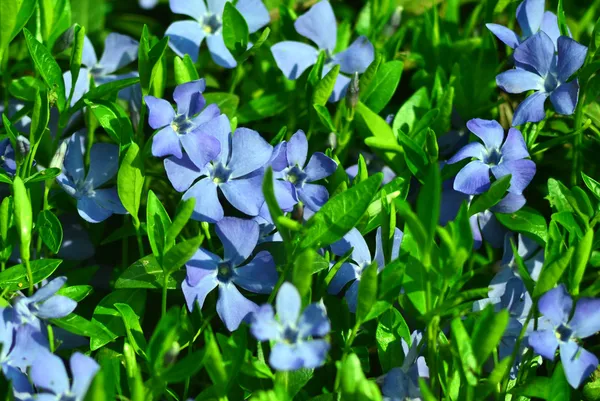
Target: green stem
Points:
(2, 265)
(29, 276)
(164, 293)
(138, 235)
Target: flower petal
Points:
(160, 112)
(181, 172)
(82, 85)
(166, 143)
(564, 98)
(297, 149)
(514, 147)
(204, 263)
(345, 274)
(88, 56)
(379, 257)
(340, 87)
(544, 343)
(314, 322)
(491, 229)
(509, 204)
(239, 237)
(319, 25)
(197, 294)
(249, 152)
(313, 196)
(195, 9)
(84, 369)
(284, 357)
(313, 353)
(578, 362)
(357, 57)
(188, 97)
(536, 52)
(49, 373)
(104, 163)
(259, 275)
(216, 6)
(353, 239)
(233, 307)
(119, 50)
(108, 198)
(288, 305)
(586, 318)
(550, 26)
(530, 109)
(473, 149)
(489, 131)
(220, 128)
(293, 58)
(219, 52)
(556, 305)
(506, 35)
(352, 296)
(185, 37)
(255, 13)
(473, 179)
(47, 291)
(245, 194)
(319, 166)
(73, 163)
(56, 307)
(208, 208)
(91, 211)
(571, 56)
(201, 148)
(522, 173)
(263, 326)
(518, 80)
(529, 15)
(285, 193)
(210, 112)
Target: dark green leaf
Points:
(44, 175)
(465, 351)
(324, 87)
(227, 102)
(381, 90)
(15, 278)
(131, 321)
(113, 119)
(367, 292)
(145, 273)
(158, 223)
(179, 254)
(235, 30)
(552, 272)
(50, 230)
(488, 332)
(130, 181)
(76, 292)
(526, 221)
(491, 197)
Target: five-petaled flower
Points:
(185, 37)
(501, 157)
(206, 271)
(560, 332)
(541, 70)
(295, 335)
(319, 25)
(44, 304)
(93, 204)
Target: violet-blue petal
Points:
(263, 326)
(489, 131)
(285, 357)
(345, 274)
(73, 162)
(56, 307)
(395, 385)
(564, 98)
(259, 275)
(48, 290)
(550, 26)
(340, 87)
(148, 4)
(529, 15)
(586, 318)
(313, 353)
(313, 196)
(207, 208)
(201, 148)
(530, 109)
(509, 204)
(451, 203)
(353, 239)
(556, 305)
(536, 52)
(245, 194)
(220, 128)
(578, 362)
(288, 304)
(233, 307)
(188, 97)
(491, 229)
(379, 257)
(238, 236)
(197, 294)
(297, 149)
(293, 58)
(91, 211)
(181, 172)
(473, 179)
(514, 146)
(285, 193)
(278, 159)
(84, 369)
(473, 149)
(571, 56)
(314, 322)
(166, 143)
(185, 37)
(204, 263)
(319, 166)
(104, 163)
(88, 55)
(255, 13)
(506, 35)
(49, 373)
(108, 198)
(319, 25)
(522, 173)
(82, 85)
(249, 152)
(518, 80)
(210, 112)
(119, 50)
(216, 6)
(29, 343)
(352, 296)
(194, 8)
(476, 231)
(357, 57)
(544, 343)
(160, 112)
(219, 52)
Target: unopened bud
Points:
(59, 157)
(353, 92)
(23, 145)
(171, 355)
(298, 212)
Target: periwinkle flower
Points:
(7, 157)
(176, 128)
(564, 333)
(206, 271)
(360, 259)
(296, 335)
(119, 51)
(541, 70)
(44, 304)
(185, 37)
(50, 377)
(319, 25)
(402, 383)
(233, 164)
(532, 19)
(148, 4)
(500, 157)
(290, 166)
(94, 204)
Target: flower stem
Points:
(29, 275)
(164, 293)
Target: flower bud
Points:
(23, 145)
(59, 157)
(353, 92)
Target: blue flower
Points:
(541, 70)
(119, 51)
(232, 164)
(293, 333)
(176, 129)
(532, 19)
(44, 304)
(148, 4)
(93, 204)
(360, 259)
(562, 333)
(289, 166)
(185, 37)
(50, 377)
(7, 157)
(319, 25)
(501, 157)
(206, 271)
(402, 383)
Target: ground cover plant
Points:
(318, 200)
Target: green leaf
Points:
(324, 87)
(256, 45)
(4, 178)
(162, 339)
(227, 102)
(15, 278)
(134, 375)
(526, 221)
(416, 158)
(303, 271)
(579, 262)
(179, 254)
(107, 316)
(150, 61)
(340, 213)
(368, 77)
(76, 292)
(491, 197)
(183, 215)
(113, 119)
(48, 69)
(418, 231)
(562, 20)
(23, 216)
(558, 195)
(367, 292)
(537, 386)
(14, 15)
(428, 204)
(325, 117)
(76, 57)
(50, 230)
(214, 363)
(263, 107)
(488, 332)
(465, 351)
(185, 70)
(44, 175)
(158, 223)
(135, 335)
(100, 92)
(145, 273)
(560, 390)
(380, 92)
(551, 273)
(235, 30)
(185, 368)
(40, 116)
(130, 181)
(81, 326)
(593, 185)
(411, 111)
(25, 88)
(273, 205)
(391, 328)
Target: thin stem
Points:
(138, 235)
(29, 276)
(164, 293)
(3, 265)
